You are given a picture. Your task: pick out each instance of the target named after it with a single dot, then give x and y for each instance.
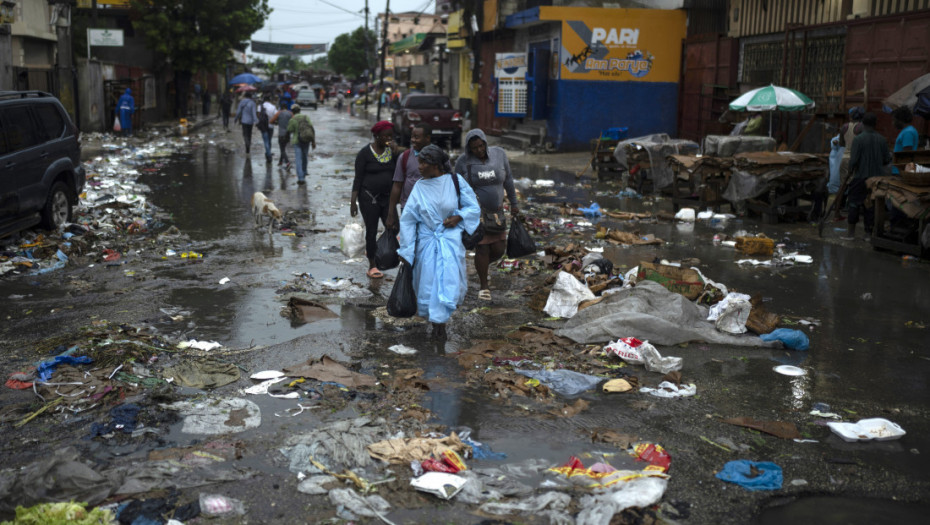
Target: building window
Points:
(511, 97)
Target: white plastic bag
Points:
(638, 352)
(352, 238)
(668, 389)
(567, 293)
(732, 319)
(685, 215)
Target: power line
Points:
(342, 8)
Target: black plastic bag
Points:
(403, 300)
(386, 256)
(519, 242)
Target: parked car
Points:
(41, 175)
(435, 110)
(307, 98)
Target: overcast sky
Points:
(321, 21)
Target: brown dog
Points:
(262, 206)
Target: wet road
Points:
(867, 356)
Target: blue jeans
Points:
(301, 149)
(266, 138)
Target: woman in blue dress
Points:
(431, 226)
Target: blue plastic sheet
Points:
(593, 211)
(482, 451)
(794, 339)
(46, 368)
(739, 472)
(564, 382)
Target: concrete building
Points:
(31, 48)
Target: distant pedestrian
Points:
(126, 107)
(371, 189)
(340, 101)
(286, 99)
(247, 114)
(225, 107)
(281, 119)
(301, 147)
(487, 170)
(265, 112)
(869, 157)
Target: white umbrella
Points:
(771, 98)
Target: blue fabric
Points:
(45, 369)
(300, 159)
(482, 451)
(592, 211)
(906, 139)
(123, 417)
(247, 112)
(266, 140)
(794, 339)
(286, 99)
(738, 472)
(436, 252)
(126, 106)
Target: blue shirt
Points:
(907, 138)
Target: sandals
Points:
(484, 295)
(375, 273)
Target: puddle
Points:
(826, 510)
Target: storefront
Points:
(590, 69)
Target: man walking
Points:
(247, 114)
(869, 156)
(281, 119)
(407, 172)
(225, 106)
(265, 112)
(301, 132)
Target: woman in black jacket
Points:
(371, 190)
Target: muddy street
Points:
(297, 450)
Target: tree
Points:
(347, 55)
(196, 35)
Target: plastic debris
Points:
(638, 352)
(752, 475)
(402, 350)
(874, 429)
(617, 385)
(219, 505)
(669, 389)
(593, 211)
(223, 416)
(685, 215)
(373, 506)
(793, 339)
(440, 484)
(563, 382)
(566, 294)
(789, 370)
(206, 346)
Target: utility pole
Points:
(387, 19)
(64, 76)
(367, 60)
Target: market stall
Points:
(646, 159)
(906, 234)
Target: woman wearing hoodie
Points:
(487, 171)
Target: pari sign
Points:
(510, 65)
(621, 44)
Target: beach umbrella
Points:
(772, 98)
(245, 78)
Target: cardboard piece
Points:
(327, 369)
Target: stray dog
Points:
(263, 206)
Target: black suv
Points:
(40, 162)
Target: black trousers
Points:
(283, 141)
(247, 136)
(372, 209)
(857, 195)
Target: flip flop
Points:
(375, 273)
(484, 295)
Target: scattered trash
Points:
(564, 382)
(685, 215)
(685, 281)
(794, 339)
(789, 370)
(668, 389)
(759, 245)
(566, 294)
(619, 385)
(402, 350)
(350, 505)
(218, 416)
(217, 505)
(352, 238)
(403, 451)
(206, 346)
(306, 311)
(267, 374)
(71, 513)
(202, 373)
(593, 211)
(326, 369)
(440, 484)
(874, 429)
(224, 280)
(638, 352)
(752, 475)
